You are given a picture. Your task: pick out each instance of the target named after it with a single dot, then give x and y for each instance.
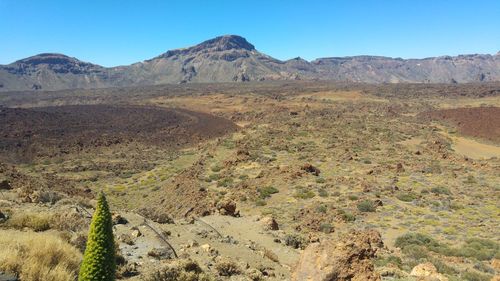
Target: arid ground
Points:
(240, 178)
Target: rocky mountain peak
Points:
(48, 58)
(57, 63)
(217, 44)
(227, 42)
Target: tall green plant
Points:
(99, 258)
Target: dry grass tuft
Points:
(32, 220)
(38, 256)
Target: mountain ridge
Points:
(231, 58)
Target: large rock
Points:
(310, 169)
(427, 272)
(349, 258)
(5, 185)
(269, 223)
(227, 208)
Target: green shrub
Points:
(229, 144)
(226, 182)
(304, 193)
(320, 180)
(326, 228)
(295, 241)
(266, 192)
(260, 202)
(322, 192)
(470, 180)
(383, 261)
(406, 197)
(481, 249)
(216, 168)
(322, 209)
(443, 267)
(415, 252)
(476, 276)
(213, 177)
(99, 258)
(366, 206)
(440, 190)
(353, 197)
(416, 239)
(346, 216)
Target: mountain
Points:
(445, 69)
(232, 58)
(51, 72)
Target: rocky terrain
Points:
(51, 131)
(271, 180)
(232, 58)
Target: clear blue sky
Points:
(122, 32)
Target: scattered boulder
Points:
(136, 232)
(427, 271)
(347, 259)
(227, 208)
(3, 217)
(4, 276)
(392, 271)
(128, 270)
(400, 168)
(242, 154)
(206, 247)
(210, 250)
(193, 243)
(5, 185)
(156, 215)
(162, 253)
(126, 238)
(118, 219)
(495, 263)
(269, 223)
(311, 169)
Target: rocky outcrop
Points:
(427, 272)
(269, 223)
(349, 258)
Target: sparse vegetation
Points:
(350, 133)
(303, 193)
(227, 267)
(440, 190)
(406, 196)
(480, 249)
(366, 206)
(181, 270)
(267, 191)
(295, 241)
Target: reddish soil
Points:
(480, 122)
(49, 131)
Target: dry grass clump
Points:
(180, 270)
(38, 256)
(32, 220)
(41, 221)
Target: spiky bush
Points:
(99, 258)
